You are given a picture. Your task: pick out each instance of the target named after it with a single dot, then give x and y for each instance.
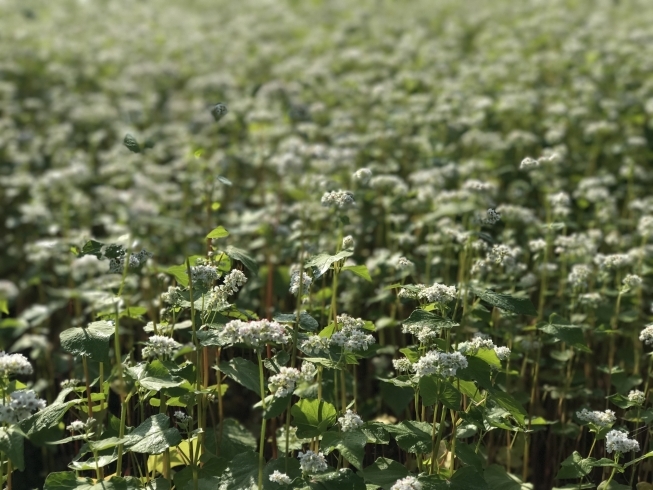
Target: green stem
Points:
(261, 454)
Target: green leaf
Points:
(384, 472)
(433, 390)
(289, 466)
(4, 306)
(235, 439)
(274, 406)
(412, 436)
(344, 479)
(613, 485)
(637, 460)
(242, 256)
(43, 426)
(468, 455)
(575, 466)
(510, 404)
(477, 370)
(396, 397)
(351, 445)
(497, 479)
(375, 432)
(466, 478)
(130, 142)
(244, 372)
(180, 274)
(507, 302)
(621, 401)
(242, 473)
(306, 321)
(153, 436)
(67, 480)
(92, 341)
(322, 262)
(424, 319)
(154, 376)
(11, 443)
(218, 232)
(359, 270)
(313, 417)
(563, 331)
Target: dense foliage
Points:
(326, 244)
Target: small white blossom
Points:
(69, 383)
(362, 175)
(579, 276)
(503, 353)
(438, 293)
(442, 363)
(160, 346)
(632, 281)
(308, 371)
(76, 426)
(254, 333)
(350, 421)
(637, 397)
(408, 483)
(204, 275)
(528, 163)
(182, 417)
(11, 364)
(295, 280)
(284, 382)
(348, 242)
(600, 419)
(314, 344)
(402, 365)
(21, 405)
(646, 335)
(280, 478)
(311, 462)
(404, 263)
(135, 260)
(471, 347)
(618, 441)
(338, 199)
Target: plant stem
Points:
(261, 454)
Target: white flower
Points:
(311, 462)
(362, 175)
(600, 419)
(528, 163)
(204, 274)
(402, 365)
(618, 441)
(308, 371)
(579, 276)
(646, 335)
(22, 404)
(472, 347)
(404, 263)
(295, 280)
(76, 426)
(637, 397)
(314, 344)
(351, 336)
(350, 421)
(217, 299)
(182, 417)
(284, 382)
(338, 199)
(69, 383)
(135, 260)
(280, 478)
(438, 293)
(254, 333)
(348, 242)
(442, 363)
(492, 218)
(408, 483)
(503, 353)
(14, 364)
(632, 281)
(160, 346)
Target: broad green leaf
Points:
(420, 318)
(497, 479)
(466, 478)
(563, 331)
(313, 417)
(154, 376)
(434, 390)
(510, 404)
(289, 466)
(489, 356)
(11, 443)
(67, 480)
(521, 306)
(242, 472)
(244, 372)
(575, 466)
(613, 485)
(344, 479)
(396, 397)
(180, 274)
(637, 460)
(4, 306)
(412, 436)
(477, 370)
(375, 432)
(153, 436)
(351, 445)
(359, 270)
(242, 256)
(306, 321)
(233, 439)
(323, 262)
(468, 455)
(210, 475)
(384, 472)
(621, 401)
(219, 232)
(43, 426)
(274, 406)
(92, 341)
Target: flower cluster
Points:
(161, 347)
(21, 405)
(350, 421)
(438, 293)
(440, 363)
(135, 261)
(204, 274)
(637, 397)
(351, 336)
(617, 441)
(280, 478)
(600, 419)
(217, 299)
(408, 483)
(284, 382)
(296, 279)
(254, 333)
(79, 426)
(646, 335)
(12, 364)
(311, 462)
(338, 199)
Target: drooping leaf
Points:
(244, 372)
(384, 472)
(396, 397)
(515, 304)
(359, 270)
(11, 443)
(344, 479)
(510, 404)
(350, 444)
(242, 472)
(497, 479)
(313, 417)
(92, 341)
(412, 436)
(242, 256)
(153, 436)
(153, 376)
(67, 480)
(322, 262)
(130, 142)
(433, 390)
(563, 331)
(424, 319)
(42, 426)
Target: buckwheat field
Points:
(326, 245)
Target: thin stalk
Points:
(261, 454)
(88, 387)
